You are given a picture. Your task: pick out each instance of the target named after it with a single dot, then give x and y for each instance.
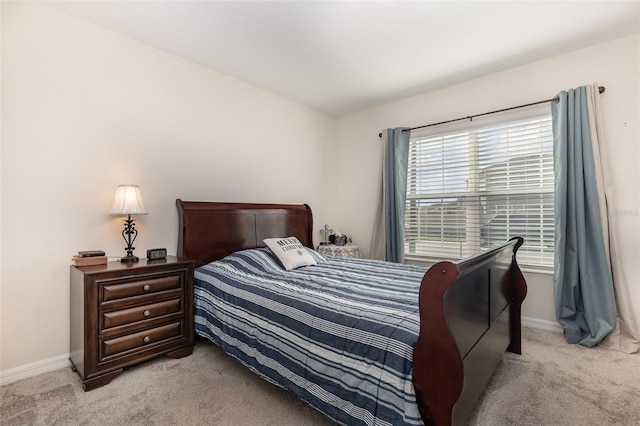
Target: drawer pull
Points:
(146, 287)
(146, 313)
(146, 339)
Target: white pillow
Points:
(290, 251)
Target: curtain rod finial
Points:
(601, 89)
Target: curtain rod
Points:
(601, 89)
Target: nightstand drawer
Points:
(139, 313)
(140, 339)
(120, 290)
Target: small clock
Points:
(156, 253)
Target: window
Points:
(475, 186)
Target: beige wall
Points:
(615, 65)
(84, 110)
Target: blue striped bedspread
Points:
(339, 334)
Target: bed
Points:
(461, 317)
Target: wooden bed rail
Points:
(471, 314)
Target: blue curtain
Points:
(395, 191)
(583, 288)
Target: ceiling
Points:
(345, 56)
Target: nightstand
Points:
(349, 250)
(126, 313)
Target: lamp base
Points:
(129, 259)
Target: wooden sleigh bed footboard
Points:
(469, 310)
(469, 316)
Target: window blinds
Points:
(473, 188)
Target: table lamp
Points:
(128, 200)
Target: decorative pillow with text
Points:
(290, 251)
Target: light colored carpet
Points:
(552, 383)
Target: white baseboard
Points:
(34, 369)
(62, 361)
(541, 324)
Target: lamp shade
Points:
(128, 200)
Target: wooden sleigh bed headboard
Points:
(469, 310)
(209, 231)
